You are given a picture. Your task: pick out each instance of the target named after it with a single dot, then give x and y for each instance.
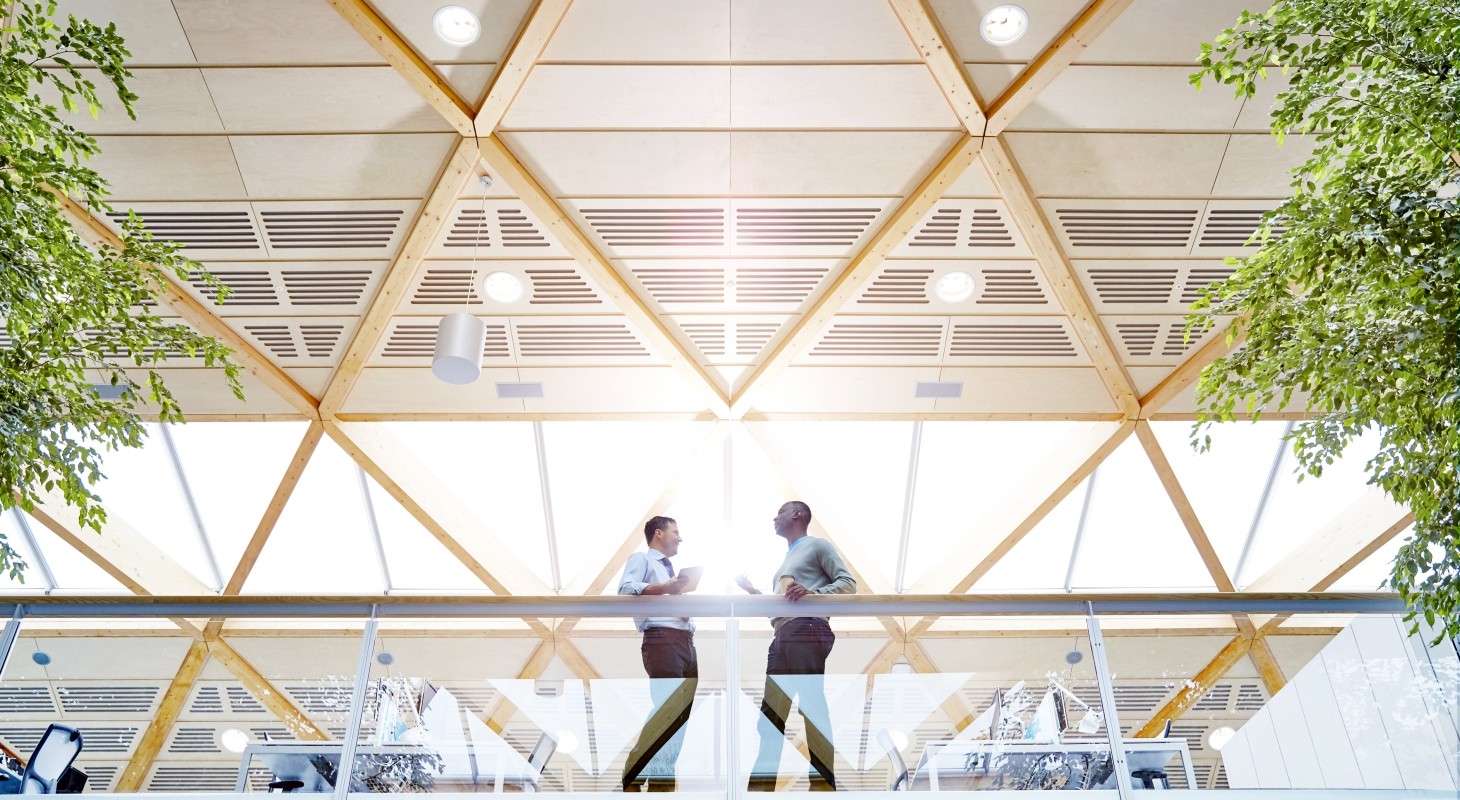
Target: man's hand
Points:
(675, 585)
(744, 582)
(796, 591)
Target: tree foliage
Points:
(1354, 304)
(74, 315)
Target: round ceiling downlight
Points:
(456, 26)
(503, 287)
(1004, 24)
(1219, 737)
(955, 287)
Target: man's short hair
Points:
(797, 505)
(656, 524)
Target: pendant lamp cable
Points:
(476, 243)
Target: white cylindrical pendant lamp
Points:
(460, 339)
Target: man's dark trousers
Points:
(674, 670)
(796, 665)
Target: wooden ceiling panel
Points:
(1256, 116)
(334, 229)
(544, 341)
(965, 229)
(1146, 286)
(1119, 165)
(169, 101)
(651, 389)
(1255, 166)
(1129, 98)
(549, 287)
(400, 390)
(849, 390)
(575, 97)
(1012, 390)
(836, 163)
(500, 20)
(610, 163)
(357, 166)
(203, 391)
(974, 182)
(151, 28)
(889, 96)
(634, 30)
(271, 32)
(320, 100)
(819, 30)
(166, 168)
(960, 20)
(1164, 31)
(990, 80)
(726, 339)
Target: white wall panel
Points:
(1294, 738)
(1330, 737)
(1408, 725)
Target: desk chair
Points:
(900, 778)
(53, 754)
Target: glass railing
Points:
(1292, 696)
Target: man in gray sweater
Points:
(796, 661)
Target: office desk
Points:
(1019, 765)
(316, 763)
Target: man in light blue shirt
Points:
(668, 650)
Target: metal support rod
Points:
(1257, 513)
(374, 528)
(357, 709)
(35, 549)
(1080, 530)
(1107, 700)
(187, 493)
(732, 706)
(547, 506)
(7, 638)
(907, 505)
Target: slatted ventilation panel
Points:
(296, 343)
(107, 699)
(411, 343)
(221, 698)
(729, 341)
(1125, 228)
(831, 227)
(999, 287)
(1011, 341)
(633, 228)
(193, 739)
(676, 285)
(288, 288)
(964, 229)
(577, 341)
(190, 779)
(1149, 286)
(1154, 340)
(99, 777)
(708, 286)
(26, 700)
(777, 286)
(1228, 224)
(547, 285)
(859, 340)
(205, 230)
(504, 229)
(325, 229)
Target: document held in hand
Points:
(692, 577)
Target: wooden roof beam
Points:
(532, 39)
(460, 167)
(858, 271)
(1197, 687)
(1189, 370)
(416, 71)
(199, 316)
(565, 231)
(1048, 65)
(1029, 216)
(922, 28)
(167, 713)
(266, 693)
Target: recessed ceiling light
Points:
(40, 657)
(504, 287)
(233, 740)
(456, 26)
(1219, 737)
(955, 287)
(1004, 25)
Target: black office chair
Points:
(900, 777)
(53, 755)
